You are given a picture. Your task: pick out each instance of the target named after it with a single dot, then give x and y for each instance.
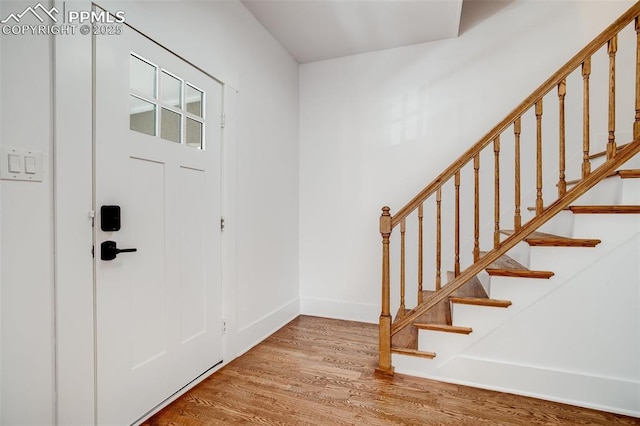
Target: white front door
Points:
(157, 158)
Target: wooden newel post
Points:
(384, 363)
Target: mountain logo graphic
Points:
(34, 11)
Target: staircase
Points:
(507, 258)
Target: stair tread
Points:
(506, 266)
(629, 173)
(603, 209)
(543, 239)
(481, 301)
(533, 209)
(444, 327)
(414, 352)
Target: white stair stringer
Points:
(456, 360)
(482, 319)
(579, 344)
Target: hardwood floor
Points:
(317, 371)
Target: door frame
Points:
(74, 281)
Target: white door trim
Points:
(73, 193)
(73, 201)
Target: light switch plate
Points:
(15, 163)
(26, 164)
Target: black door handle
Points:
(109, 250)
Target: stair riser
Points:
(606, 192)
(631, 191)
(563, 261)
(611, 228)
(521, 253)
(482, 318)
(411, 365)
(520, 290)
(443, 344)
(561, 224)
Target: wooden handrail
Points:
(576, 61)
(585, 184)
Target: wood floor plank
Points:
(317, 371)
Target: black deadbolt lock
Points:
(110, 218)
(109, 250)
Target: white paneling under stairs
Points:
(573, 337)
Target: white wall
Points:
(26, 283)
(376, 128)
(224, 39)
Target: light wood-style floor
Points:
(317, 371)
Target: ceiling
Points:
(314, 30)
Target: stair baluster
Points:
(476, 208)
(612, 49)
(403, 230)
(438, 238)
(539, 203)
(517, 219)
(586, 164)
(496, 197)
(562, 184)
(456, 266)
(636, 124)
(420, 251)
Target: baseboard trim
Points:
(336, 309)
(590, 391)
(252, 334)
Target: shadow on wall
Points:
(476, 11)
